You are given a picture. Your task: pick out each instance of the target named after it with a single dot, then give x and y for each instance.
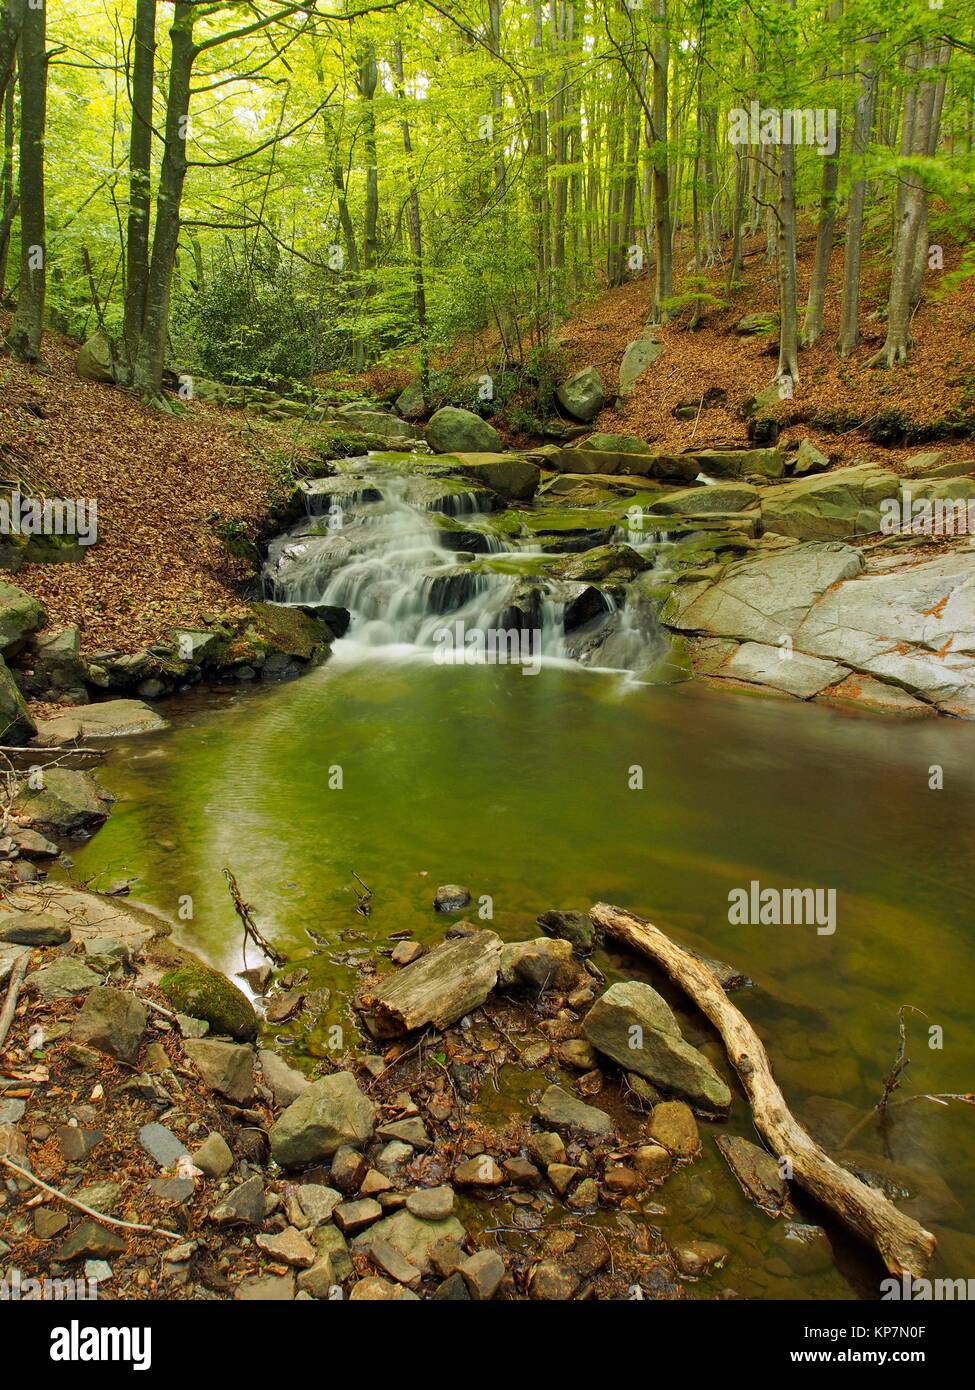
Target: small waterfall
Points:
(411, 553)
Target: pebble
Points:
(481, 1171)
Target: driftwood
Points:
(13, 992)
(438, 989)
(903, 1244)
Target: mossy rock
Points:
(290, 631)
(204, 993)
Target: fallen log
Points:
(438, 989)
(903, 1244)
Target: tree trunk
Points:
(150, 358)
(140, 192)
(25, 334)
(8, 201)
(663, 248)
(862, 124)
(903, 1245)
(416, 237)
(788, 370)
(11, 23)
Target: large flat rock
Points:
(830, 506)
(780, 668)
(111, 719)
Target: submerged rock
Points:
(757, 1172)
(673, 1127)
(561, 1111)
(632, 1024)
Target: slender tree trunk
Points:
(140, 192)
(11, 23)
(24, 342)
(788, 370)
(151, 355)
(912, 223)
(8, 200)
(862, 124)
(416, 238)
(663, 243)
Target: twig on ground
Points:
(13, 993)
(80, 1206)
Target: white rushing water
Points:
(417, 565)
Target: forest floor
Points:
(166, 485)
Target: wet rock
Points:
(63, 978)
(35, 929)
(225, 1067)
(446, 1257)
(481, 1171)
(574, 927)
(450, 897)
(113, 1021)
(69, 802)
(830, 506)
(393, 1158)
(349, 1167)
(438, 989)
(35, 846)
(641, 1093)
(564, 1112)
(577, 1054)
(92, 1240)
(482, 1273)
(632, 1024)
(756, 1171)
(673, 1126)
(553, 1281)
(351, 1217)
(286, 1083)
(258, 977)
(538, 965)
(214, 1157)
(331, 1113)
(625, 1182)
(562, 1176)
(329, 1241)
(406, 952)
(285, 1006)
(508, 475)
(536, 1054)
(412, 1132)
(431, 1203)
(585, 1197)
(521, 1172)
(653, 1162)
(244, 1206)
(805, 1248)
(698, 1257)
(546, 1147)
(204, 993)
(413, 1237)
(290, 1247)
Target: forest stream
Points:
(408, 771)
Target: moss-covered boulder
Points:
(290, 631)
(20, 615)
(16, 725)
(204, 993)
(455, 431)
(604, 564)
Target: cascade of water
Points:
(375, 541)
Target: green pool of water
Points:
(520, 787)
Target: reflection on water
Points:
(520, 788)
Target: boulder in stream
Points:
(632, 1024)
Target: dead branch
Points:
(903, 1244)
(245, 913)
(80, 1206)
(13, 992)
